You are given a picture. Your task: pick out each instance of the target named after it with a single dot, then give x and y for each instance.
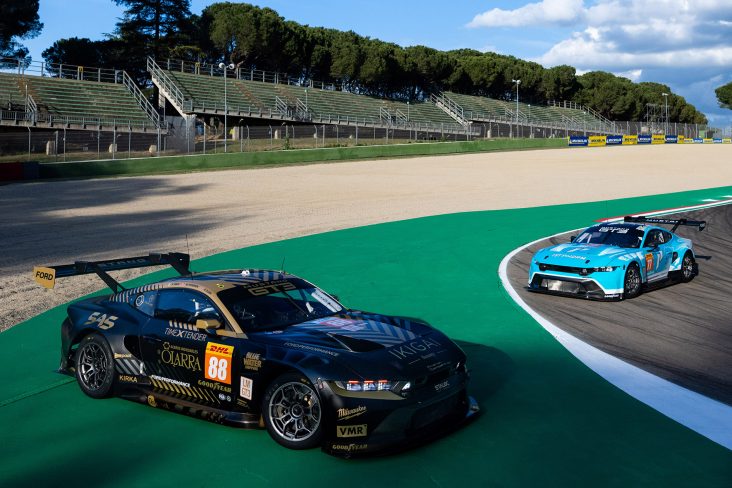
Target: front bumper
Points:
(364, 426)
(571, 286)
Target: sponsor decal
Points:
(151, 401)
(351, 430)
(435, 366)
(630, 140)
(578, 141)
(614, 140)
(644, 139)
(242, 403)
(214, 386)
(224, 398)
(125, 378)
(218, 362)
(252, 361)
(658, 139)
(596, 141)
(310, 348)
(260, 289)
(350, 447)
(185, 334)
(413, 348)
(181, 357)
(649, 262)
(103, 321)
(442, 386)
(245, 389)
(140, 300)
(349, 413)
(325, 300)
(614, 230)
(171, 381)
(569, 256)
(122, 356)
(671, 139)
(344, 324)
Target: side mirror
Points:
(208, 323)
(572, 238)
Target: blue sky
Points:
(686, 44)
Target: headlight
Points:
(605, 269)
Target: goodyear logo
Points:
(658, 139)
(630, 140)
(45, 277)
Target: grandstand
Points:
(111, 100)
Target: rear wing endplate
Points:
(46, 275)
(701, 224)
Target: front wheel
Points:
(632, 282)
(687, 268)
(94, 366)
(292, 412)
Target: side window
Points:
(667, 236)
(653, 238)
(184, 306)
(145, 302)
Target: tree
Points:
(724, 95)
(155, 26)
(18, 20)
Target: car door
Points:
(657, 255)
(178, 356)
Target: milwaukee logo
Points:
(348, 413)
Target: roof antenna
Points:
(282, 268)
(188, 248)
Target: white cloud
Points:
(561, 12)
(633, 74)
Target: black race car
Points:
(258, 348)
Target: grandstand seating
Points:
(76, 102)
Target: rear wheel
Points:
(687, 268)
(632, 281)
(94, 366)
(292, 412)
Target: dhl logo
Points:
(219, 349)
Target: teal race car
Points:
(616, 260)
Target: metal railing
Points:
(174, 94)
(144, 104)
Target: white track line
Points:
(708, 417)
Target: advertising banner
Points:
(644, 139)
(658, 139)
(614, 140)
(578, 141)
(682, 139)
(727, 140)
(717, 140)
(630, 140)
(688, 140)
(708, 140)
(597, 141)
(698, 140)
(672, 139)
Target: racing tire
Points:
(95, 366)
(687, 268)
(293, 412)
(632, 282)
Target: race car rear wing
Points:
(702, 224)
(46, 275)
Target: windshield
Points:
(612, 235)
(277, 304)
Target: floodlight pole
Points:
(518, 82)
(665, 96)
(226, 108)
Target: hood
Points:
(582, 255)
(369, 342)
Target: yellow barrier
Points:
(658, 139)
(682, 139)
(708, 140)
(630, 140)
(727, 140)
(597, 141)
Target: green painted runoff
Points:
(547, 420)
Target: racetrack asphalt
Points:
(547, 419)
(682, 332)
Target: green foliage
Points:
(18, 20)
(724, 95)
